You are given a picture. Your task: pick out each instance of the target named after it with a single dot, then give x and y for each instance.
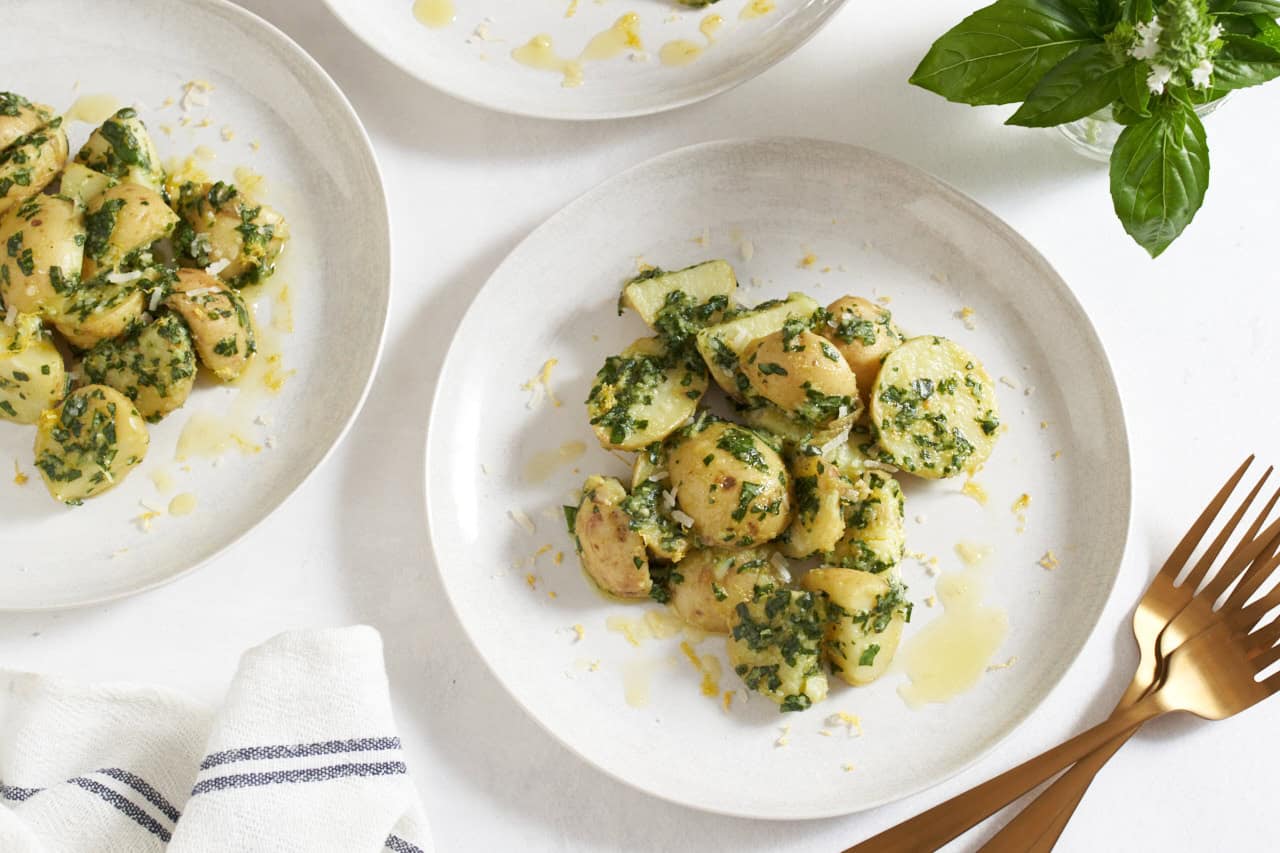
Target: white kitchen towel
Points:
(302, 756)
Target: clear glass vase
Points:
(1095, 136)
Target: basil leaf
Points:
(998, 54)
(1159, 174)
(1268, 31)
(1135, 94)
(1078, 86)
(1270, 8)
(1243, 62)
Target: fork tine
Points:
(1201, 568)
(1264, 563)
(1265, 638)
(1267, 658)
(1247, 618)
(1220, 581)
(1191, 540)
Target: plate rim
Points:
(953, 194)
(273, 33)
(569, 115)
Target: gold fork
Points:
(1191, 683)
(1168, 614)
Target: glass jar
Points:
(1095, 136)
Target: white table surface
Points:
(1190, 336)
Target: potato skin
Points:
(730, 482)
(864, 611)
(90, 443)
(153, 365)
(864, 333)
(31, 163)
(41, 252)
(19, 117)
(122, 220)
(32, 375)
(219, 322)
(803, 374)
(713, 581)
(613, 555)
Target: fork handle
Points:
(946, 821)
(1036, 828)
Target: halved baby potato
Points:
(30, 163)
(650, 292)
(820, 490)
(153, 365)
(19, 117)
(83, 184)
(774, 646)
(730, 483)
(875, 536)
(107, 306)
(123, 149)
(711, 582)
(866, 614)
(934, 409)
(219, 223)
(219, 321)
(643, 395)
(41, 252)
(613, 555)
(722, 345)
(803, 375)
(32, 375)
(122, 221)
(90, 443)
(864, 333)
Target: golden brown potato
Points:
(19, 117)
(32, 375)
(124, 220)
(709, 583)
(864, 333)
(90, 443)
(730, 484)
(30, 163)
(867, 613)
(219, 322)
(613, 554)
(123, 149)
(41, 250)
(153, 365)
(219, 223)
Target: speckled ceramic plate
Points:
(827, 219)
(271, 111)
(667, 56)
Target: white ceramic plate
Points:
(471, 58)
(319, 171)
(883, 228)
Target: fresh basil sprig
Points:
(1151, 61)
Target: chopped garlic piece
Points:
(522, 518)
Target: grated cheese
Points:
(521, 518)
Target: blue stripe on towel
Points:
(16, 794)
(142, 787)
(399, 845)
(300, 750)
(125, 807)
(311, 774)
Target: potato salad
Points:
(817, 411)
(117, 284)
